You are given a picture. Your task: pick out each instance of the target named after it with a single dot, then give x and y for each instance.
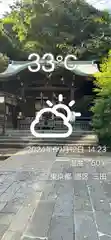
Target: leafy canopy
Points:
(61, 26)
(102, 104)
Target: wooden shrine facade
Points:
(34, 89)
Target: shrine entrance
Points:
(40, 90)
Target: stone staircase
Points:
(15, 140)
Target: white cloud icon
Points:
(57, 114)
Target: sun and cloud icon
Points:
(53, 109)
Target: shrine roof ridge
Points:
(83, 68)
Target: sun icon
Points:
(61, 105)
(53, 109)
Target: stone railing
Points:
(82, 125)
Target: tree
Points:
(9, 45)
(61, 27)
(101, 120)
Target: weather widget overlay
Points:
(55, 119)
(71, 116)
(51, 61)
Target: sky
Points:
(4, 5)
(99, 4)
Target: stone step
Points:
(26, 131)
(31, 138)
(11, 141)
(10, 145)
(41, 144)
(27, 139)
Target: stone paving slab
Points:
(103, 220)
(8, 194)
(9, 235)
(50, 192)
(22, 217)
(6, 219)
(64, 203)
(85, 227)
(43, 198)
(81, 196)
(3, 229)
(22, 183)
(105, 238)
(28, 161)
(10, 208)
(61, 228)
(98, 198)
(40, 222)
(107, 190)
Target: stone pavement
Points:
(47, 195)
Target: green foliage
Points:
(60, 27)
(101, 121)
(32, 46)
(3, 62)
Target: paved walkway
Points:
(45, 195)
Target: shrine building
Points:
(32, 90)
